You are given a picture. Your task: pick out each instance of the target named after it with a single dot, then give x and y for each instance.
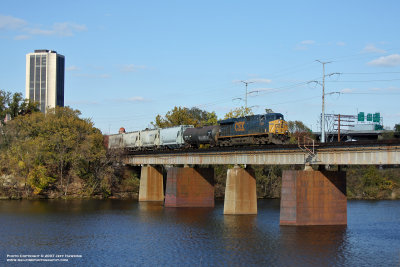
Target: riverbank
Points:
(369, 183)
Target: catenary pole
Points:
(323, 102)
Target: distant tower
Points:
(45, 78)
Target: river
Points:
(128, 233)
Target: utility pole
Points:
(245, 99)
(339, 129)
(323, 101)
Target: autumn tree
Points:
(52, 149)
(298, 130)
(238, 112)
(185, 116)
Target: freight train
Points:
(270, 128)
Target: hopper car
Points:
(270, 128)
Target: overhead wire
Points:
(279, 73)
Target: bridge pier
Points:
(313, 198)
(190, 187)
(151, 184)
(240, 192)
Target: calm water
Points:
(128, 233)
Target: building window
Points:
(31, 77)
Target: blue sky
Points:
(127, 61)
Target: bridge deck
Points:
(351, 153)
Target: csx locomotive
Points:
(270, 128)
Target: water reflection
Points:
(198, 217)
(240, 226)
(128, 233)
(151, 206)
(316, 244)
(73, 206)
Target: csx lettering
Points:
(239, 126)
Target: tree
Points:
(185, 116)
(239, 112)
(15, 105)
(4, 101)
(52, 149)
(268, 110)
(397, 128)
(298, 130)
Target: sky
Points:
(127, 61)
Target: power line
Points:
(365, 81)
(344, 93)
(369, 73)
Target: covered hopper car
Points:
(268, 128)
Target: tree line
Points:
(60, 154)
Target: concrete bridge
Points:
(308, 197)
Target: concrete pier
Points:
(313, 198)
(151, 184)
(190, 187)
(240, 192)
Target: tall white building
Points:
(45, 78)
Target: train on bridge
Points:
(270, 128)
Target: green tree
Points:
(185, 116)
(238, 112)
(15, 105)
(4, 101)
(397, 128)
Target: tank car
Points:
(195, 137)
(173, 137)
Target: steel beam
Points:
(380, 155)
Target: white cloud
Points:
(340, 43)
(82, 102)
(11, 23)
(134, 99)
(27, 30)
(94, 76)
(370, 48)
(72, 68)
(386, 61)
(259, 80)
(64, 29)
(131, 68)
(347, 90)
(22, 37)
(307, 42)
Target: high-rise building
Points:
(45, 78)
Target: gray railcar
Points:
(149, 138)
(115, 141)
(173, 137)
(131, 140)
